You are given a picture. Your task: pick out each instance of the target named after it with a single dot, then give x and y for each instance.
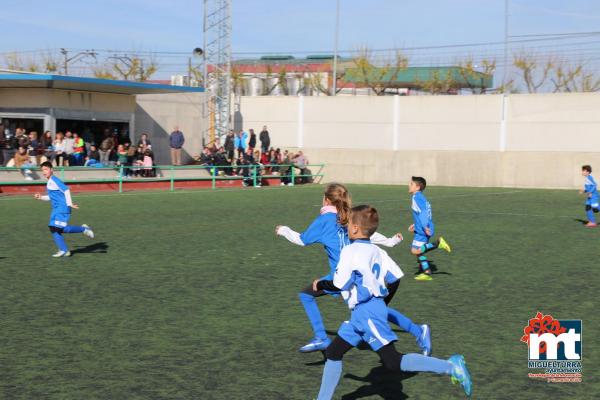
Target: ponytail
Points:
(339, 197)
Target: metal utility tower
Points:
(217, 66)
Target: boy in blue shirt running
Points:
(363, 271)
(59, 196)
(423, 228)
(590, 189)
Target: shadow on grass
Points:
(100, 247)
(379, 382)
(581, 221)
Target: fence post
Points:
(62, 173)
(254, 175)
(172, 178)
(293, 178)
(121, 179)
(214, 178)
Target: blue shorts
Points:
(59, 220)
(368, 323)
(419, 240)
(592, 202)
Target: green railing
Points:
(169, 173)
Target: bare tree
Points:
(574, 78)
(534, 75)
(470, 75)
(440, 83)
(377, 78)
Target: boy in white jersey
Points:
(364, 270)
(60, 197)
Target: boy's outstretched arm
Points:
(379, 239)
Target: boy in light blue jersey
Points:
(59, 196)
(363, 271)
(423, 228)
(590, 189)
(329, 230)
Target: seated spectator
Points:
(22, 161)
(106, 148)
(60, 150)
(69, 142)
(22, 140)
(138, 161)
(122, 157)
(47, 146)
(93, 156)
(220, 161)
(300, 161)
(148, 164)
(286, 169)
(274, 160)
(206, 157)
(78, 150)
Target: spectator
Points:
(93, 156)
(230, 146)
(21, 139)
(34, 149)
(78, 150)
(69, 141)
(22, 161)
(138, 160)
(145, 142)
(206, 157)
(265, 140)
(241, 143)
(273, 156)
(106, 147)
(286, 169)
(148, 171)
(252, 141)
(122, 156)
(220, 160)
(176, 141)
(46, 144)
(60, 150)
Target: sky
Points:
(292, 27)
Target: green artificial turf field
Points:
(189, 295)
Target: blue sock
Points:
(590, 216)
(419, 363)
(73, 229)
(60, 241)
(331, 377)
(314, 316)
(397, 318)
(423, 263)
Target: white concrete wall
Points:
(158, 114)
(540, 141)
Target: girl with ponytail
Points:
(330, 230)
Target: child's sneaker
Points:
(315, 344)
(591, 225)
(424, 341)
(88, 231)
(423, 277)
(62, 254)
(444, 245)
(460, 373)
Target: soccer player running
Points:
(329, 229)
(590, 189)
(362, 271)
(59, 196)
(423, 228)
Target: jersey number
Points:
(376, 269)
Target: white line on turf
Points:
(177, 191)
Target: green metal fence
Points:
(168, 173)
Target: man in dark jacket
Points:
(230, 146)
(176, 141)
(265, 140)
